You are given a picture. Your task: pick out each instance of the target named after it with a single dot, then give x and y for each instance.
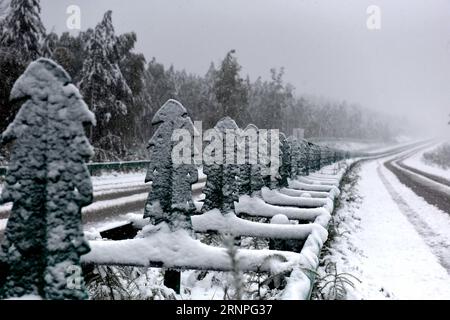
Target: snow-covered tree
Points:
(21, 33)
(48, 183)
(269, 100)
(23, 30)
(49, 44)
(104, 87)
(4, 10)
(170, 199)
(230, 89)
(69, 52)
(222, 186)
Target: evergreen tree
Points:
(48, 183)
(4, 10)
(23, 30)
(20, 42)
(270, 101)
(48, 45)
(158, 88)
(105, 88)
(70, 53)
(133, 66)
(230, 89)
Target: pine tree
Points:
(70, 53)
(48, 183)
(105, 88)
(230, 89)
(49, 44)
(23, 30)
(4, 10)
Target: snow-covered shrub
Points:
(440, 156)
(334, 285)
(48, 183)
(235, 275)
(127, 283)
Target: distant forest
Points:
(124, 90)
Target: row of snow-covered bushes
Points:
(439, 156)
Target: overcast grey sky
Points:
(324, 45)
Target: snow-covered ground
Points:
(352, 145)
(417, 161)
(365, 146)
(394, 242)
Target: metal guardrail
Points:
(117, 166)
(110, 166)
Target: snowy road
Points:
(115, 196)
(393, 240)
(434, 189)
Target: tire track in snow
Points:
(438, 245)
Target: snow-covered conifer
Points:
(23, 30)
(103, 84)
